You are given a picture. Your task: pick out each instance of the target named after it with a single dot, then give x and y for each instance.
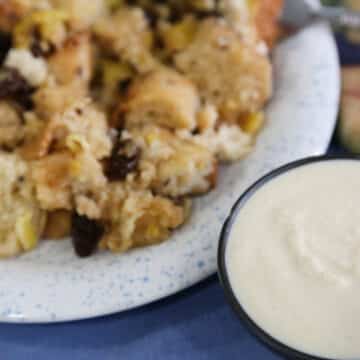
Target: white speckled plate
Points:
(51, 284)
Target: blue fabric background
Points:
(195, 324)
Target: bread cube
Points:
(82, 13)
(229, 73)
(182, 167)
(69, 180)
(266, 14)
(138, 218)
(11, 126)
(21, 220)
(74, 61)
(82, 119)
(164, 98)
(127, 35)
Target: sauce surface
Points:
(293, 258)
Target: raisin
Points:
(5, 45)
(117, 119)
(203, 14)
(86, 235)
(39, 47)
(195, 132)
(152, 17)
(36, 49)
(14, 86)
(124, 85)
(124, 159)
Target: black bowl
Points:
(273, 344)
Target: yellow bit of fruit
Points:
(114, 4)
(203, 5)
(48, 23)
(113, 72)
(25, 232)
(151, 138)
(252, 123)
(152, 231)
(148, 38)
(180, 35)
(76, 143)
(75, 168)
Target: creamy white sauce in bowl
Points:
(289, 259)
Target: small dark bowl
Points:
(273, 344)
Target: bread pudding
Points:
(114, 114)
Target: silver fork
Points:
(299, 13)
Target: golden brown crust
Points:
(11, 11)
(267, 13)
(53, 181)
(21, 219)
(162, 97)
(172, 166)
(39, 146)
(229, 73)
(73, 63)
(82, 118)
(68, 181)
(82, 13)
(51, 99)
(11, 129)
(126, 34)
(138, 218)
(58, 225)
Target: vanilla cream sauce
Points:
(293, 258)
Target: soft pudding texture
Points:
(293, 258)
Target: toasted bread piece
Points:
(182, 167)
(12, 11)
(51, 100)
(138, 218)
(126, 34)
(11, 126)
(162, 97)
(69, 181)
(58, 225)
(21, 219)
(74, 61)
(228, 72)
(53, 181)
(266, 15)
(81, 119)
(82, 13)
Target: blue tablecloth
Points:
(195, 324)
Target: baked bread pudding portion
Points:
(229, 73)
(22, 221)
(115, 114)
(162, 97)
